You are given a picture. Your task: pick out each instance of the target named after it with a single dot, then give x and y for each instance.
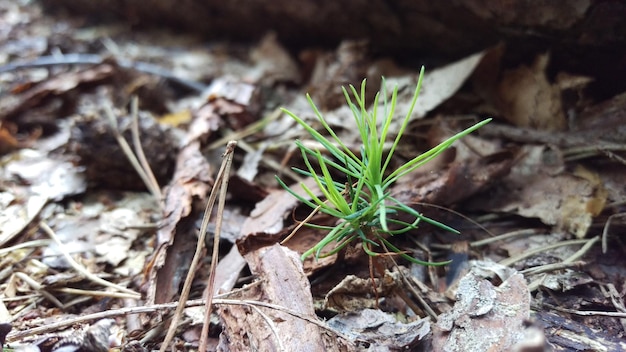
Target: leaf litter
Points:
(548, 186)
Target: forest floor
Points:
(98, 253)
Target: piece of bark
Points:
(488, 315)
(282, 282)
(565, 334)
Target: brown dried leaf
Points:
(437, 86)
(348, 65)
(381, 330)
(527, 99)
(272, 63)
(534, 189)
(354, 293)
(266, 218)
(454, 184)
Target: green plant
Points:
(363, 206)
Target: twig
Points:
(223, 175)
(88, 275)
(505, 236)
(165, 306)
(270, 162)
(246, 131)
(219, 180)
(300, 224)
(452, 211)
(92, 293)
(550, 267)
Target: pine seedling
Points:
(363, 206)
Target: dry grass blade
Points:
(220, 183)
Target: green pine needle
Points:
(364, 209)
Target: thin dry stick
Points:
(505, 236)
(228, 155)
(246, 131)
(141, 156)
(300, 224)
(306, 220)
(219, 179)
(270, 162)
(91, 293)
(88, 275)
(16, 335)
(129, 153)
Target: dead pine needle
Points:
(605, 230)
(143, 170)
(585, 242)
(224, 175)
(221, 183)
(88, 275)
(153, 184)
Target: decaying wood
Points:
(453, 28)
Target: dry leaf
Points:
(527, 99)
(437, 86)
(567, 200)
(381, 330)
